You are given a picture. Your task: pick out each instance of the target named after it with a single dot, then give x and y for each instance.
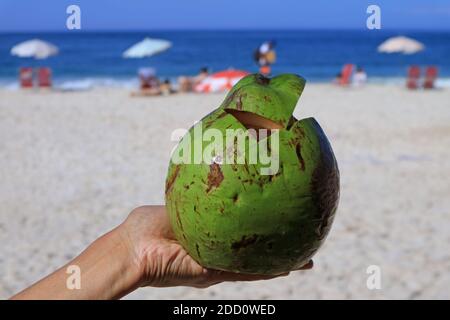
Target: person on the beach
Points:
(186, 84)
(265, 56)
(149, 83)
(142, 251)
(359, 78)
(338, 78)
(166, 88)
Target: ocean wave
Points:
(89, 83)
(80, 84)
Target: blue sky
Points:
(42, 15)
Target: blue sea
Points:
(94, 58)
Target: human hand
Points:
(142, 251)
(162, 261)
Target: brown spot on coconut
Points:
(298, 151)
(172, 178)
(215, 177)
(244, 242)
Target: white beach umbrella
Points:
(146, 48)
(34, 48)
(401, 44)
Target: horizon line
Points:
(218, 30)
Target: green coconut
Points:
(230, 215)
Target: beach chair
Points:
(26, 77)
(412, 79)
(431, 74)
(346, 74)
(44, 76)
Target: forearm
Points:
(141, 251)
(107, 271)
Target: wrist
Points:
(133, 272)
(108, 268)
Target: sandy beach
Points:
(74, 164)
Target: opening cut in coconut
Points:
(251, 120)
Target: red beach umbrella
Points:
(220, 81)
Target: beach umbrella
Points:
(34, 48)
(401, 44)
(220, 81)
(147, 48)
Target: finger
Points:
(215, 275)
(204, 285)
(307, 266)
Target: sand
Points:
(73, 165)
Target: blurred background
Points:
(86, 117)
